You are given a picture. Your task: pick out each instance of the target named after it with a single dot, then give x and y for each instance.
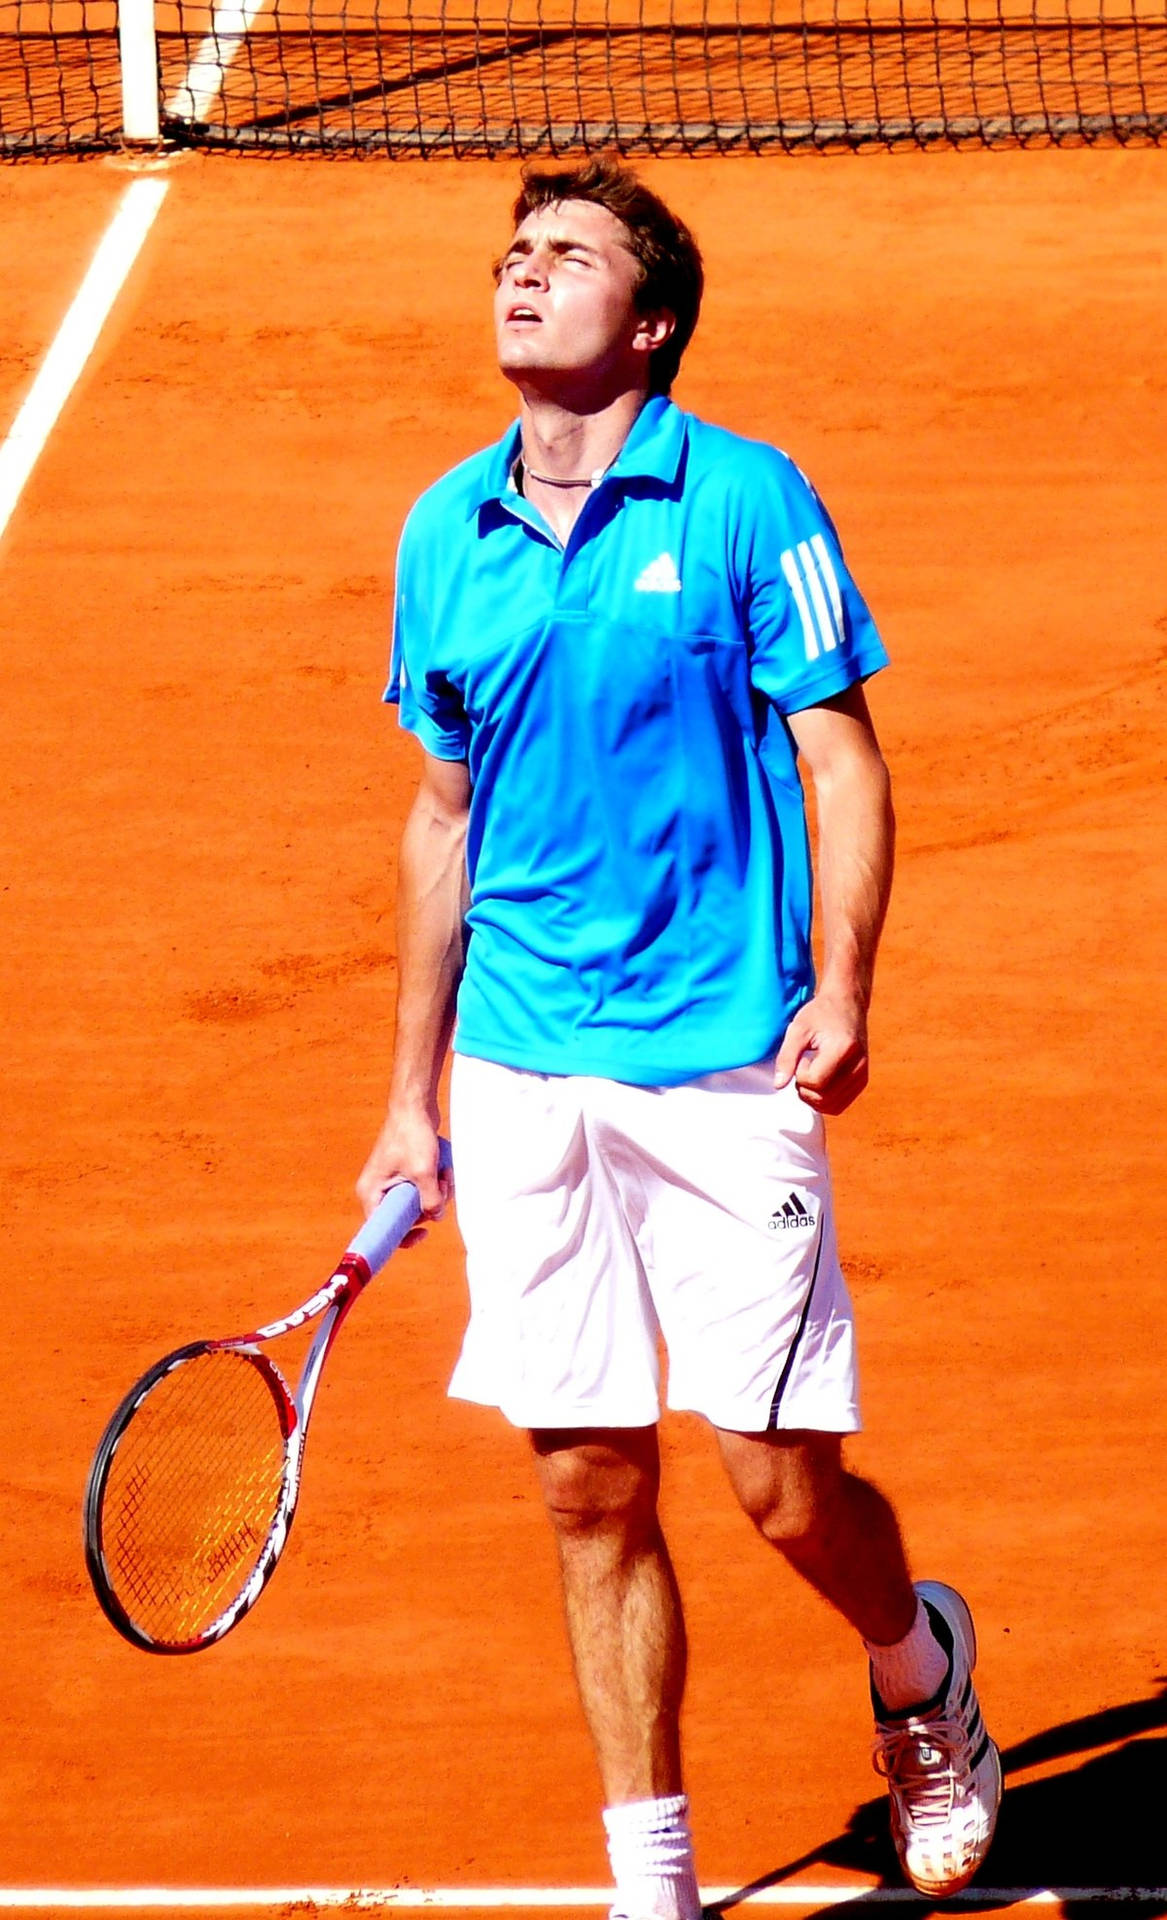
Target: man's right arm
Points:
(431, 903)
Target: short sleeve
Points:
(428, 705)
(810, 631)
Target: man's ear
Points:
(652, 330)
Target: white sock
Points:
(913, 1670)
(651, 1851)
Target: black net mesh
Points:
(60, 76)
(565, 76)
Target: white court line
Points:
(206, 73)
(78, 335)
(473, 1899)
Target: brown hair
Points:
(671, 276)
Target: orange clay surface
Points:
(201, 801)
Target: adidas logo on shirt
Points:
(792, 1213)
(660, 576)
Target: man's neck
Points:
(566, 443)
(566, 451)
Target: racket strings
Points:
(193, 1493)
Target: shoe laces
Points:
(924, 1762)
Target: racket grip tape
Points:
(388, 1224)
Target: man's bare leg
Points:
(627, 1637)
(841, 1535)
(838, 1531)
(834, 1528)
(624, 1619)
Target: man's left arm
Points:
(824, 1049)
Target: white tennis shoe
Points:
(942, 1770)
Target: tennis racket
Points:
(194, 1482)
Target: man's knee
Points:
(598, 1481)
(789, 1484)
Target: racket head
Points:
(191, 1494)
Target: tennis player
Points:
(617, 632)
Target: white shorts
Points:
(598, 1217)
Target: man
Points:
(615, 633)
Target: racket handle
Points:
(388, 1224)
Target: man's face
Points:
(565, 307)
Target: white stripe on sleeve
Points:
(793, 574)
(827, 568)
(827, 628)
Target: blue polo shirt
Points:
(640, 879)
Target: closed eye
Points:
(575, 252)
(512, 256)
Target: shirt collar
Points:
(652, 451)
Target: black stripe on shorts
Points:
(784, 1377)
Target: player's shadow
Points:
(1099, 1824)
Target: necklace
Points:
(547, 480)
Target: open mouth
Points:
(522, 313)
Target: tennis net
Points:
(481, 77)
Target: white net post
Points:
(139, 59)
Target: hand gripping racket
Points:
(194, 1483)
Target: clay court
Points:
(967, 353)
